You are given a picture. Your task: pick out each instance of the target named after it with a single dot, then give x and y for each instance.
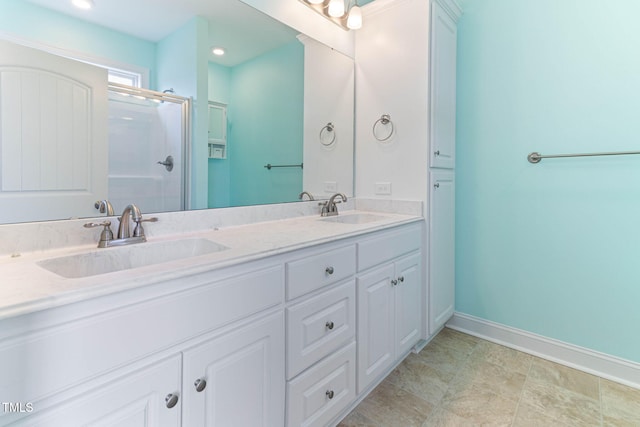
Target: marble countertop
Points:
(27, 287)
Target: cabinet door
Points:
(243, 374)
(375, 324)
(443, 88)
(441, 249)
(137, 400)
(408, 303)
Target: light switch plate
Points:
(330, 186)
(383, 188)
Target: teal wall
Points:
(31, 22)
(182, 65)
(265, 116)
(219, 171)
(550, 248)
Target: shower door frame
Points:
(185, 103)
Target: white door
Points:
(441, 249)
(443, 88)
(147, 398)
(375, 324)
(408, 303)
(237, 380)
(53, 135)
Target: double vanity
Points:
(268, 323)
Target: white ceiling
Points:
(242, 30)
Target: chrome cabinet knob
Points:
(436, 185)
(436, 153)
(394, 282)
(401, 279)
(171, 400)
(329, 394)
(200, 384)
(329, 325)
(329, 270)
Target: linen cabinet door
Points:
(408, 303)
(441, 249)
(149, 397)
(237, 379)
(375, 324)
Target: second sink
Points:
(109, 260)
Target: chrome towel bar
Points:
(536, 157)
(269, 166)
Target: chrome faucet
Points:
(329, 207)
(104, 206)
(124, 236)
(309, 195)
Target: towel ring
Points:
(384, 120)
(329, 128)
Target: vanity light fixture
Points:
(218, 51)
(83, 4)
(348, 16)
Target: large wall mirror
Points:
(269, 119)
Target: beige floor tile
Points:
(508, 358)
(543, 371)
(561, 404)
(420, 379)
(620, 404)
(390, 406)
(495, 378)
(528, 416)
(356, 419)
(446, 355)
(456, 340)
(480, 405)
(443, 418)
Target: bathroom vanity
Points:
(275, 323)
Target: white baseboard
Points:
(584, 359)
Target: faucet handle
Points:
(138, 231)
(106, 235)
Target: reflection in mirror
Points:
(269, 97)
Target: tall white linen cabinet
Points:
(406, 69)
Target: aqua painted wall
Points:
(34, 23)
(255, 138)
(551, 248)
(219, 171)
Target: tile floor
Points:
(460, 380)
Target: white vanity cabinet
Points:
(389, 301)
(237, 379)
(321, 328)
(77, 360)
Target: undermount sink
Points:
(109, 260)
(360, 218)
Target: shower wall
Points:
(141, 133)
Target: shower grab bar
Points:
(269, 166)
(536, 157)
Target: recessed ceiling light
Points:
(218, 51)
(83, 4)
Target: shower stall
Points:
(149, 149)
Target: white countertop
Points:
(26, 287)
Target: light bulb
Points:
(83, 4)
(354, 21)
(336, 8)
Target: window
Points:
(128, 78)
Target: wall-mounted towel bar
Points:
(536, 157)
(269, 166)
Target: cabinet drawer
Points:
(318, 395)
(319, 326)
(315, 271)
(392, 244)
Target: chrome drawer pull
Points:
(200, 384)
(329, 394)
(171, 400)
(329, 325)
(329, 270)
